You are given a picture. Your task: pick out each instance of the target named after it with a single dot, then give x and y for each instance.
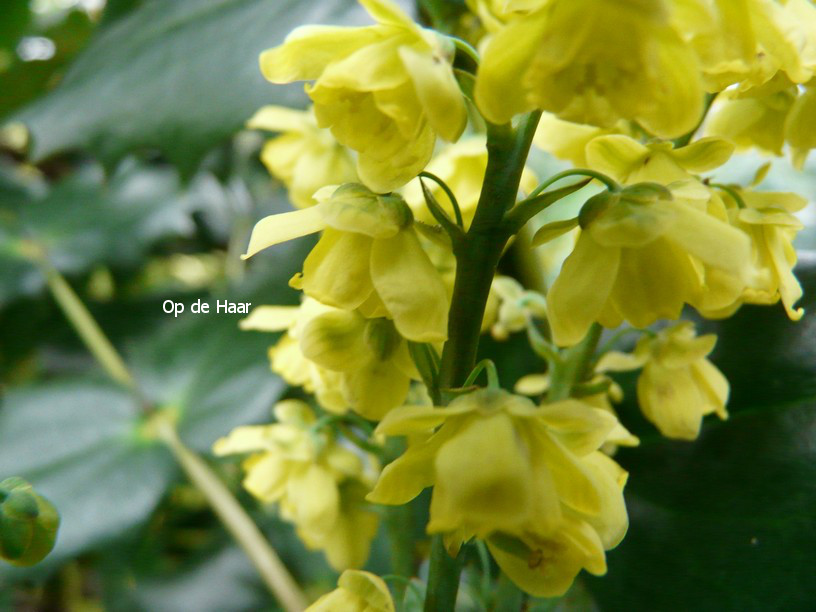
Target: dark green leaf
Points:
(727, 522)
(178, 76)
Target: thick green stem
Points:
(481, 248)
(573, 368)
(477, 255)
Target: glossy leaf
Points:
(727, 522)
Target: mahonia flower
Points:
(678, 385)
(638, 258)
(629, 161)
(800, 128)
(304, 157)
(357, 591)
(750, 41)
(503, 467)
(462, 167)
(385, 91)
(768, 220)
(342, 357)
(318, 484)
(754, 119)
(515, 307)
(368, 258)
(593, 62)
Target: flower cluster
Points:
(318, 484)
(649, 98)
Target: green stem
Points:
(238, 523)
(611, 184)
(477, 256)
(86, 326)
(481, 248)
(443, 578)
(575, 363)
(686, 138)
(398, 523)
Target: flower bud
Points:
(28, 523)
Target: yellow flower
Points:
(356, 591)
(800, 128)
(771, 226)
(593, 62)
(344, 358)
(498, 463)
(515, 306)
(318, 484)
(640, 256)
(462, 167)
(749, 41)
(629, 161)
(545, 564)
(756, 119)
(369, 258)
(678, 385)
(385, 90)
(304, 157)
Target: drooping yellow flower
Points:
(368, 258)
(595, 63)
(629, 161)
(342, 357)
(545, 564)
(318, 484)
(800, 127)
(749, 41)
(515, 307)
(304, 157)
(640, 256)
(498, 463)
(462, 167)
(678, 385)
(357, 591)
(754, 119)
(768, 220)
(385, 90)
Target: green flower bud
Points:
(28, 523)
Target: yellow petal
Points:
(704, 154)
(336, 272)
(275, 229)
(438, 92)
(308, 50)
(581, 289)
(335, 340)
(616, 155)
(410, 287)
(280, 119)
(270, 318)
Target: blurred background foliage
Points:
(136, 178)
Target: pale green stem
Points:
(237, 521)
(86, 326)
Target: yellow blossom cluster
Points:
(318, 484)
(647, 97)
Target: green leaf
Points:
(727, 522)
(177, 76)
(76, 443)
(84, 221)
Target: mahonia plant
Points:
(411, 166)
